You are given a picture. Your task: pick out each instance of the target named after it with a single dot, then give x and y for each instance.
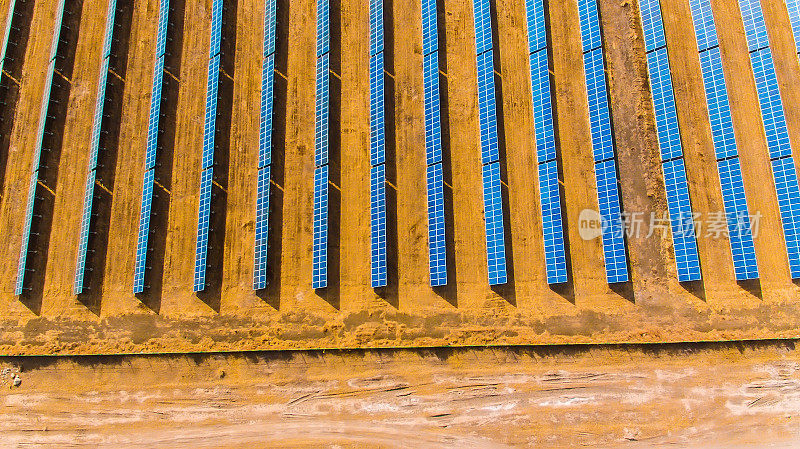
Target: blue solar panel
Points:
(599, 112)
(487, 109)
(26, 236)
(719, 109)
(755, 28)
(483, 25)
(542, 107)
(789, 203)
(495, 229)
(203, 222)
(151, 150)
(377, 110)
(590, 25)
(682, 221)
(793, 7)
(112, 9)
(216, 28)
(97, 121)
(769, 97)
(437, 244)
(554, 249)
(537, 29)
(433, 124)
(669, 138)
(613, 227)
(140, 264)
(430, 31)
(209, 130)
(378, 225)
(652, 24)
(375, 26)
(704, 26)
(270, 26)
(738, 218)
(265, 121)
(322, 110)
(83, 240)
(323, 27)
(262, 229)
(161, 34)
(320, 257)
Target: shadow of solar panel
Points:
(320, 256)
(613, 228)
(789, 204)
(262, 229)
(322, 110)
(377, 111)
(738, 219)
(437, 245)
(140, 263)
(378, 225)
(495, 229)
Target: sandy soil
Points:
(730, 395)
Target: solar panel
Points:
(267, 97)
(203, 223)
(537, 29)
(681, 220)
(483, 25)
(216, 28)
(378, 225)
(262, 229)
(542, 107)
(793, 8)
(705, 28)
(739, 228)
(112, 10)
(140, 264)
(322, 110)
(755, 28)
(769, 97)
(375, 27)
(487, 109)
(210, 128)
(719, 109)
(437, 245)
(26, 235)
(430, 31)
(785, 175)
(554, 249)
(599, 112)
(613, 229)
(433, 124)
(270, 26)
(320, 256)
(323, 27)
(669, 138)
(83, 241)
(590, 25)
(377, 108)
(495, 229)
(652, 24)
(161, 33)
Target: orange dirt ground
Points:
(290, 314)
(716, 395)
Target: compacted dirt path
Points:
(731, 395)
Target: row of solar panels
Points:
(22, 268)
(322, 126)
(377, 147)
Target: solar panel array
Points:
(725, 147)
(793, 7)
(321, 175)
(265, 147)
(377, 146)
(490, 152)
(603, 144)
(437, 241)
(151, 151)
(34, 179)
(544, 124)
(207, 157)
(94, 150)
(679, 205)
(774, 120)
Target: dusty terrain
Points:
(289, 314)
(719, 396)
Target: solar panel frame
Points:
(376, 27)
(161, 33)
(652, 24)
(666, 114)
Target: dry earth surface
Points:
(702, 395)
